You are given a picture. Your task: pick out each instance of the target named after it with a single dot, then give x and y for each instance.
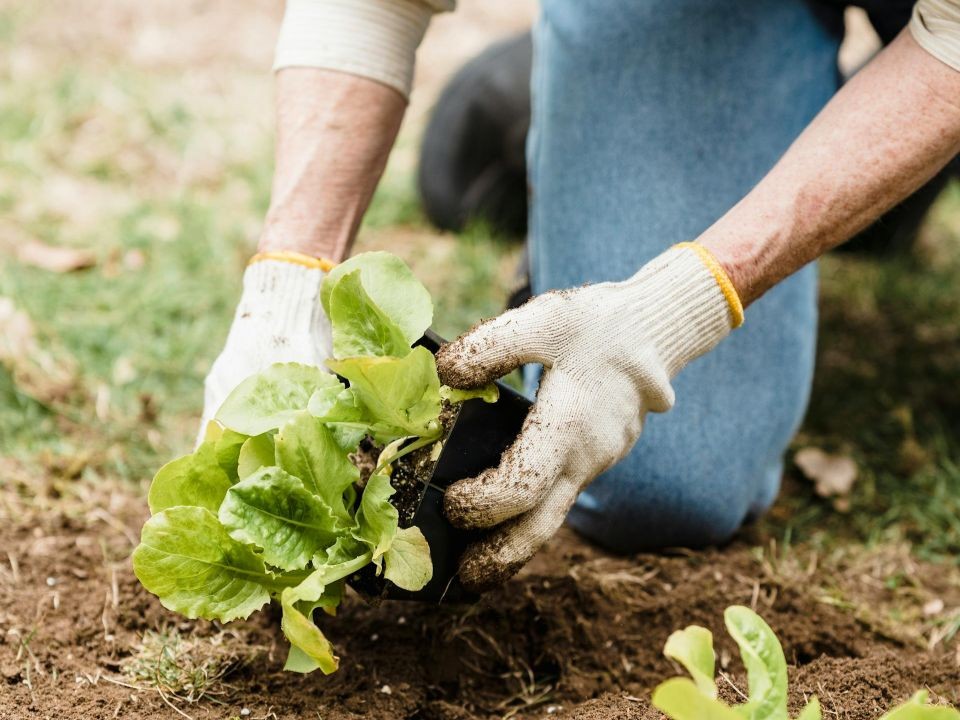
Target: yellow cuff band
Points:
(294, 257)
(723, 280)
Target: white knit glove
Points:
(609, 352)
(279, 319)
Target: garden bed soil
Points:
(578, 634)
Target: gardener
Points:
(653, 123)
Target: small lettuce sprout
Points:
(916, 708)
(269, 506)
(696, 699)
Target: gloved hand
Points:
(609, 352)
(279, 319)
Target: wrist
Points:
(294, 258)
(272, 284)
(744, 255)
(686, 304)
(330, 245)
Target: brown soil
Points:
(409, 477)
(577, 635)
(413, 472)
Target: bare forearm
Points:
(889, 130)
(334, 135)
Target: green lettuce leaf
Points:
(346, 548)
(766, 666)
(400, 396)
(332, 402)
(811, 711)
(273, 510)
(309, 648)
(212, 432)
(391, 286)
(343, 415)
(407, 562)
(196, 479)
(314, 651)
(359, 326)
(299, 662)
(693, 648)
(488, 393)
(188, 560)
(343, 406)
(255, 453)
(308, 450)
(267, 400)
(348, 435)
(228, 451)
(377, 519)
(680, 699)
(916, 708)
(331, 598)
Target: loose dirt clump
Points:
(578, 634)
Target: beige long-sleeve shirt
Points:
(935, 26)
(378, 39)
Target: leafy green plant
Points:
(695, 698)
(269, 506)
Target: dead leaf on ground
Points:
(124, 371)
(35, 371)
(12, 236)
(82, 202)
(16, 332)
(832, 475)
(55, 258)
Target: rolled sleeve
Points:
(935, 25)
(376, 39)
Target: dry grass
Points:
(186, 669)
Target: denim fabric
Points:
(651, 118)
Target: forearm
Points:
(334, 135)
(891, 128)
(344, 72)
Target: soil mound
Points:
(578, 634)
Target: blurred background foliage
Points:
(135, 163)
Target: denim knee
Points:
(669, 502)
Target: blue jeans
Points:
(651, 118)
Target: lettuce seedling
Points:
(269, 506)
(695, 698)
(916, 708)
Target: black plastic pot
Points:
(480, 432)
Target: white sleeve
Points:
(935, 26)
(376, 39)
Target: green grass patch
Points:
(888, 367)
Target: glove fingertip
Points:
(486, 500)
(459, 504)
(488, 351)
(481, 568)
(465, 364)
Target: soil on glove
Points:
(578, 634)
